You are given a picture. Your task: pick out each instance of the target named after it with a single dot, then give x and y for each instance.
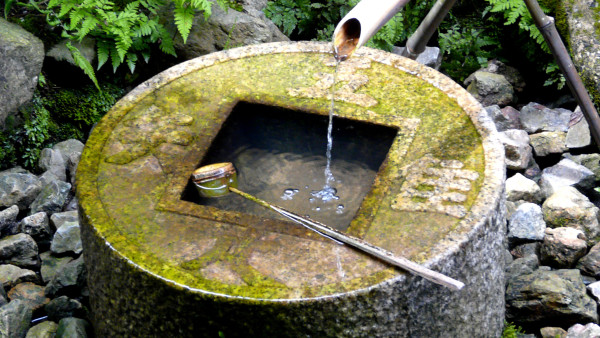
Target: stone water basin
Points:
(161, 262)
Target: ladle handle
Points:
(362, 245)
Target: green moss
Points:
(133, 198)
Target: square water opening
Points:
(279, 155)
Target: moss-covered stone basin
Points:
(162, 265)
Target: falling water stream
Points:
(328, 193)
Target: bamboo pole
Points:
(360, 244)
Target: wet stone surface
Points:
(439, 185)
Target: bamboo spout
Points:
(361, 23)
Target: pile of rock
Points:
(43, 288)
(553, 228)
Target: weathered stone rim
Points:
(491, 191)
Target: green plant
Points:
(53, 116)
(515, 13)
(123, 30)
(511, 330)
(467, 48)
(303, 19)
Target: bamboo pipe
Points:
(361, 23)
(222, 174)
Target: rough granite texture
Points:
(159, 265)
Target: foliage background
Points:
(133, 32)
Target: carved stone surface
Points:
(204, 270)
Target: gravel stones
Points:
(549, 142)
(539, 118)
(555, 297)
(491, 89)
(38, 227)
(11, 275)
(562, 247)
(20, 250)
(52, 198)
(18, 188)
(46, 329)
(565, 173)
(567, 207)
(517, 151)
(520, 188)
(526, 224)
(14, 319)
(31, 294)
(72, 327)
(67, 239)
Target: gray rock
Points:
(46, 329)
(226, 29)
(70, 150)
(511, 74)
(3, 296)
(589, 330)
(526, 224)
(67, 239)
(52, 198)
(565, 173)
(548, 142)
(590, 161)
(38, 227)
(63, 307)
(491, 89)
(11, 275)
(516, 148)
(519, 187)
(18, 188)
(539, 118)
(533, 171)
(526, 249)
(567, 207)
(8, 218)
(590, 263)
(72, 328)
(430, 57)
(562, 247)
(20, 250)
(14, 319)
(48, 177)
(30, 294)
(21, 58)
(522, 266)
(59, 218)
(558, 297)
(53, 162)
(594, 289)
(584, 42)
(552, 332)
(51, 265)
(68, 281)
(505, 118)
(578, 135)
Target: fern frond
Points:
(83, 63)
(184, 17)
(103, 50)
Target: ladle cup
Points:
(216, 180)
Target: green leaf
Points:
(83, 63)
(184, 17)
